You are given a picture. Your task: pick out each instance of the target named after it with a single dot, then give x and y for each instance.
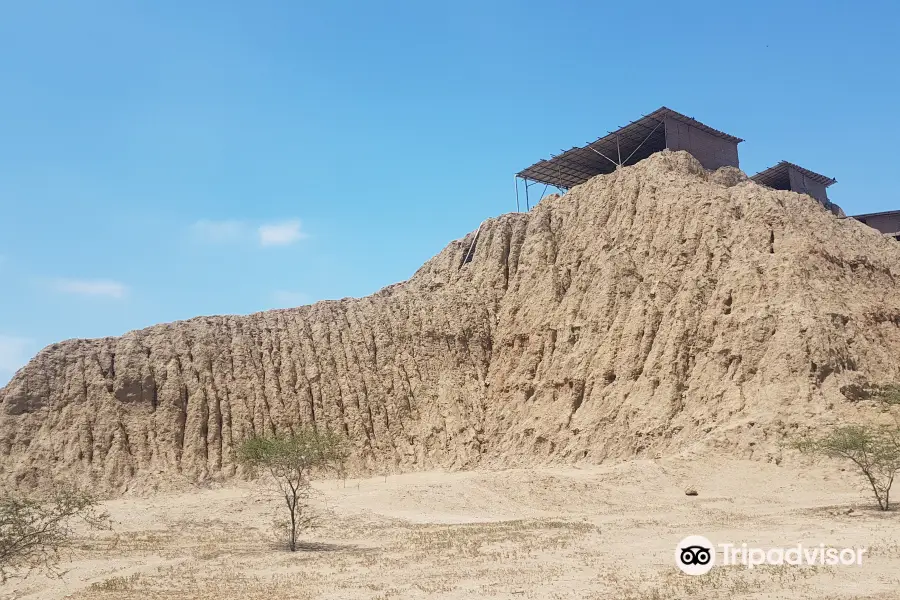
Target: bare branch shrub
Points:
(35, 528)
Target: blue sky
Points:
(162, 160)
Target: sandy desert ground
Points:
(561, 532)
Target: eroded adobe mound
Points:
(657, 309)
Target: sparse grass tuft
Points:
(125, 583)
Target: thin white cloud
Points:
(287, 299)
(281, 234)
(14, 353)
(218, 232)
(91, 287)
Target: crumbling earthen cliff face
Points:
(657, 309)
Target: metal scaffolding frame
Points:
(527, 197)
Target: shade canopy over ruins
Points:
(788, 176)
(887, 222)
(661, 129)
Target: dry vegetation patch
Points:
(394, 539)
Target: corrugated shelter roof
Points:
(628, 145)
(876, 214)
(777, 176)
(887, 222)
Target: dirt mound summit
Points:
(655, 310)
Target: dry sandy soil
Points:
(562, 532)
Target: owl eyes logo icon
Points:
(695, 555)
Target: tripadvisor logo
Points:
(696, 555)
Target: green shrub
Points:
(291, 461)
(873, 449)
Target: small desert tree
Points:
(291, 459)
(874, 449)
(35, 528)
